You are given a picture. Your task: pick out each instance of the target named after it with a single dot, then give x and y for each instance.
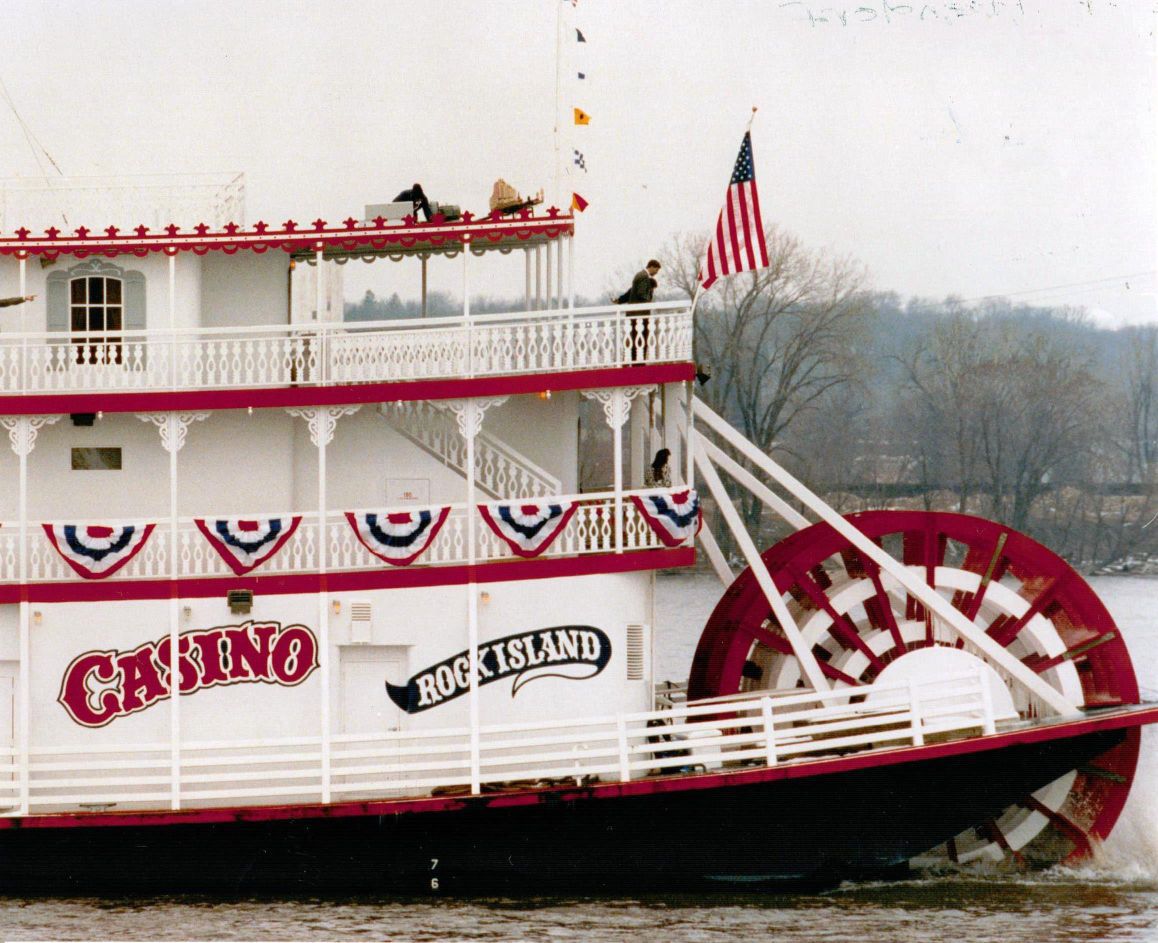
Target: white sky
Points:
(1008, 150)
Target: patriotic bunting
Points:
(246, 544)
(673, 515)
(398, 537)
(97, 551)
(528, 528)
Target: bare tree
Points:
(776, 340)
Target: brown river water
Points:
(1112, 898)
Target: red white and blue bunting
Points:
(673, 515)
(528, 528)
(245, 544)
(398, 537)
(97, 551)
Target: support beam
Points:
(913, 583)
(770, 499)
(809, 666)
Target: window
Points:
(96, 459)
(96, 306)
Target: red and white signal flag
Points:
(737, 245)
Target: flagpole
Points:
(558, 103)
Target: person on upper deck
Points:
(18, 300)
(642, 285)
(658, 474)
(417, 199)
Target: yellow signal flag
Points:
(581, 117)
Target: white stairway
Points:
(500, 471)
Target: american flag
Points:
(738, 242)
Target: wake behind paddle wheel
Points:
(861, 623)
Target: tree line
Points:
(1029, 415)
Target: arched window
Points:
(90, 305)
(96, 306)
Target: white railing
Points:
(591, 530)
(744, 730)
(348, 352)
(500, 470)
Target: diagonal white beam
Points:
(916, 586)
(809, 666)
(770, 498)
(715, 556)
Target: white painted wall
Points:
(544, 430)
(429, 622)
(244, 289)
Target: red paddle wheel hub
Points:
(859, 620)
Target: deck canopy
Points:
(349, 238)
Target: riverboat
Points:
(294, 603)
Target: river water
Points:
(1111, 899)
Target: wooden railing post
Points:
(915, 714)
(624, 762)
(769, 732)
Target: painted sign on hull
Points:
(100, 686)
(543, 653)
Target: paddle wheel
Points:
(862, 625)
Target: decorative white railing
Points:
(591, 530)
(348, 352)
(500, 470)
(743, 731)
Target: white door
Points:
(365, 669)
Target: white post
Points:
(22, 432)
(469, 414)
(538, 278)
(915, 714)
(550, 280)
(318, 286)
(989, 725)
(173, 428)
(322, 422)
(624, 761)
(769, 732)
(570, 271)
(466, 276)
(559, 274)
(689, 438)
(23, 292)
(172, 318)
(527, 259)
(174, 623)
(616, 409)
(424, 260)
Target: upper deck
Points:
(204, 318)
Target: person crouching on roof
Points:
(417, 199)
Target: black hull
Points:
(820, 828)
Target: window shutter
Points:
(134, 300)
(57, 292)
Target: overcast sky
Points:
(973, 147)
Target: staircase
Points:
(500, 471)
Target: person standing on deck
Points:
(417, 199)
(641, 291)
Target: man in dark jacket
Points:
(416, 198)
(18, 300)
(642, 285)
(641, 291)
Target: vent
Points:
(361, 618)
(635, 652)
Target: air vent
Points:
(361, 619)
(636, 652)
